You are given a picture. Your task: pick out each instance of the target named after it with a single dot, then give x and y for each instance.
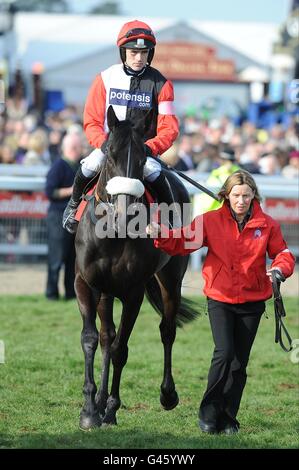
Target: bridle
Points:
(280, 312)
(95, 198)
(104, 170)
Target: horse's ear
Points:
(112, 119)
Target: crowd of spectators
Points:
(27, 139)
(273, 151)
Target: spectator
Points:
(207, 158)
(61, 248)
(22, 149)
(7, 153)
(250, 157)
(217, 177)
(198, 142)
(292, 169)
(38, 153)
(55, 138)
(185, 160)
(17, 107)
(282, 156)
(268, 165)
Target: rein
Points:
(129, 159)
(280, 312)
(190, 180)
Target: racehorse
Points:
(125, 268)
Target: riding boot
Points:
(68, 221)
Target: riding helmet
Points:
(136, 35)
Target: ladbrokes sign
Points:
(23, 205)
(189, 61)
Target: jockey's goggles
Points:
(137, 32)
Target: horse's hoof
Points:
(89, 422)
(107, 425)
(109, 421)
(169, 402)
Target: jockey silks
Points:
(129, 95)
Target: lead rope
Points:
(280, 312)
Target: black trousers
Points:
(234, 328)
(61, 251)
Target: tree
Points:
(106, 8)
(46, 6)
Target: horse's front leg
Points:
(89, 416)
(107, 335)
(119, 350)
(171, 300)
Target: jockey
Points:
(128, 87)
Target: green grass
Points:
(42, 378)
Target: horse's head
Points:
(125, 161)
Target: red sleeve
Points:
(279, 252)
(182, 241)
(95, 112)
(167, 123)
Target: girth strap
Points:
(279, 313)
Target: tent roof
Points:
(61, 38)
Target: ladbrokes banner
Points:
(283, 210)
(191, 61)
(23, 205)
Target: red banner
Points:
(191, 61)
(283, 210)
(23, 205)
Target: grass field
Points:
(42, 377)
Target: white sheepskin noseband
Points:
(123, 185)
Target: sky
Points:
(269, 11)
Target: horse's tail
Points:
(188, 310)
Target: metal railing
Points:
(28, 236)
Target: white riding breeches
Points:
(93, 162)
(152, 169)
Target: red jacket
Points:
(235, 266)
(128, 95)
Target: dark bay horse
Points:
(125, 268)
